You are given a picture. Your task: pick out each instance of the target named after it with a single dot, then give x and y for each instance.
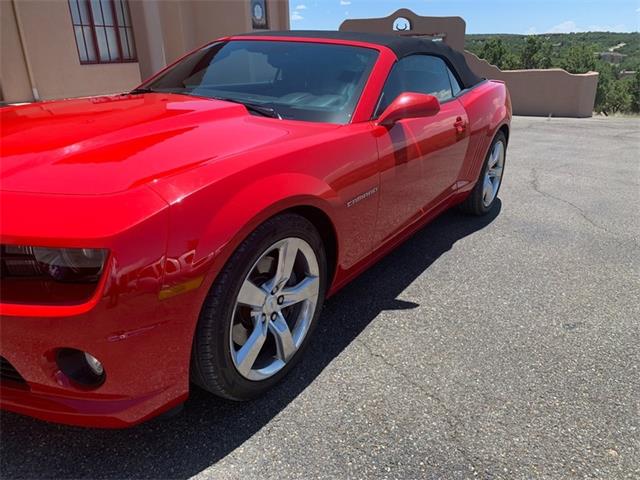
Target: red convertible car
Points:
(188, 231)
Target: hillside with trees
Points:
(616, 56)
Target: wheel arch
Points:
(504, 128)
(257, 202)
(326, 228)
(307, 208)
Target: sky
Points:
(482, 16)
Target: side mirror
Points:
(409, 105)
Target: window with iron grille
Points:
(103, 31)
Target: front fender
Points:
(207, 226)
(257, 202)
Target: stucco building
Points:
(63, 48)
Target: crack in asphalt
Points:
(535, 184)
(450, 418)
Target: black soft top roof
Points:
(402, 46)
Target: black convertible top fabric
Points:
(402, 46)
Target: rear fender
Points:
(489, 108)
(502, 114)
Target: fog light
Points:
(81, 367)
(94, 364)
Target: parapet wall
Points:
(552, 92)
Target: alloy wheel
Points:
(493, 175)
(274, 308)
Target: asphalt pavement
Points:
(501, 347)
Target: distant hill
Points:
(562, 42)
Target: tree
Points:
(580, 59)
(618, 98)
(635, 92)
(493, 51)
(510, 62)
(536, 53)
(605, 78)
(529, 52)
(614, 94)
(542, 58)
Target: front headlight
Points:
(71, 264)
(44, 275)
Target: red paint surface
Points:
(171, 184)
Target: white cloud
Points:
(531, 31)
(564, 27)
(569, 26)
(345, 2)
(295, 16)
(301, 7)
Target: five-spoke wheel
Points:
(274, 308)
(493, 173)
(483, 196)
(261, 310)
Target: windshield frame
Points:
(364, 100)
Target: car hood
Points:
(103, 145)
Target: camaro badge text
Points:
(362, 196)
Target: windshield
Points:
(293, 80)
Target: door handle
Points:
(460, 125)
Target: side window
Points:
(420, 74)
(455, 85)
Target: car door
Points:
(419, 157)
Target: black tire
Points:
(212, 367)
(474, 204)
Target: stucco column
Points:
(147, 28)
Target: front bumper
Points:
(142, 338)
(80, 411)
(146, 363)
